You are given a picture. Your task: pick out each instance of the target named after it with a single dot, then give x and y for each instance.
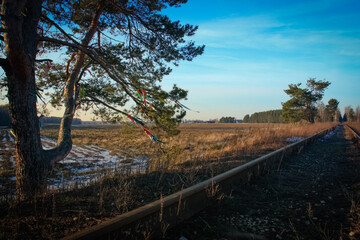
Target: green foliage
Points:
(227, 120)
(133, 50)
(272, 116)
(331, 108)
(246, 118)
(302, 102)
(349, 114)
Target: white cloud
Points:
(269, 34)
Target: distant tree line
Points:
(329, 112)
(351, 115)
(301, 105)
(272, 116)
(227, 120)
(303, 100)
(57, 120)
(305, 105)
(5, 118)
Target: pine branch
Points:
(110, 70)
(59, 28)
(95, 99)
(44, 60)
(68, 63)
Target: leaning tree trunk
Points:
(20, 21)
(19, 24)
(64, 143)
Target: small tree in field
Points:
(322, 115)
(357, 114)
(302, 102)
(246, 118)
(338, 116)
(331, 108)
(115, 51)
(227, 120)
(350, 114)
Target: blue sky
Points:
(254, 49)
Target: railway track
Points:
(352, 131)
(314, 195)
(156, 218)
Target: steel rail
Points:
(155, 218)
(352, 131)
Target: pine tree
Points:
(302, 102)
(115, 50)
(331, 108)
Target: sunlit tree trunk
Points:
(19, 22)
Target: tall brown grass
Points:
(200, 151)
(355, 125)
(195, 143)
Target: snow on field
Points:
(294, 139)
(83, 164)
(327, 136)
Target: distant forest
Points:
(57, 120)
(272, 116)
(5, 118)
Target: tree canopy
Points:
(302, 100)
(116, 54)
(227, 120)
(349, 114)
(331, 108)
(271, 116)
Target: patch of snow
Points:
(294, 139)
(81, 164)
(68, 161)
(11, 139)
(329, 135)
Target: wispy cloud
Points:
(247, 32)
(270, 34)
(256, 49)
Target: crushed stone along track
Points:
(312, 196)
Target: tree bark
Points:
(64, 143)
(20, 21)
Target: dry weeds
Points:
(199, 152)
(196, 142)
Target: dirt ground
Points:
(315, 195)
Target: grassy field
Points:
(196, 142)
(200, 151)
(355, 126)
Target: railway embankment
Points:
(314, 195)
(148, 221)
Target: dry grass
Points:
(354, 196)
(199, 152)
(216, 141)
(197, 143)
(355, 125)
